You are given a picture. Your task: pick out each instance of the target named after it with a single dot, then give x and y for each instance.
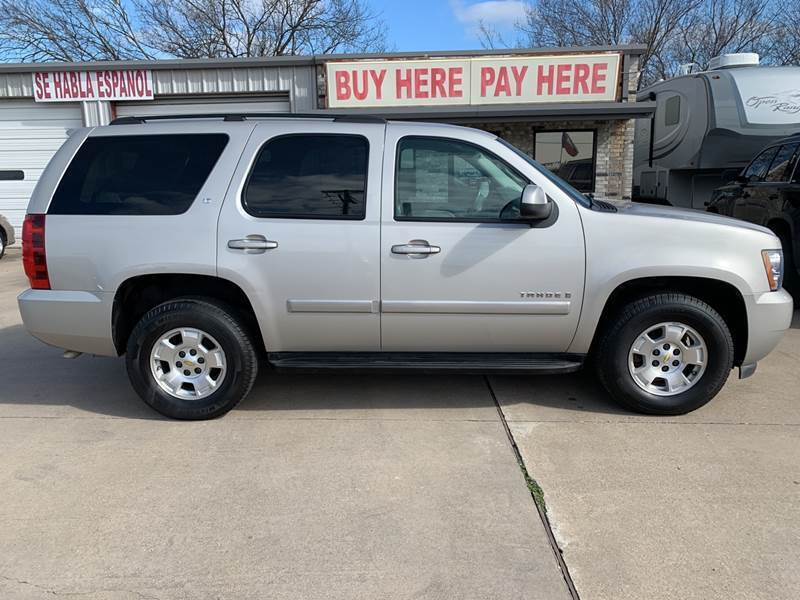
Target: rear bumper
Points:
(72, 320)
(768, 315)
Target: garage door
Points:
(192, 106)
(30, 133)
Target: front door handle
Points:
(416, 249)
(253, 244)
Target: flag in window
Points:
(568, 145)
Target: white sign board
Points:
(473, 81)
(73, 86)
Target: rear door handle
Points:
(253, 244)
(416, 249)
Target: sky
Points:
(445, 24)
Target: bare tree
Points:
(68, 30)
(653, 23)
(787, 35)
(229, 28)
(489, 37)
(674, 32)
(79, 30)
(576, 22)
(656, 24)
(722, 26)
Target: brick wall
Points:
(614, 141)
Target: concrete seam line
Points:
(562, 565)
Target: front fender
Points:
(621, 248)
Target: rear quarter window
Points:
(137, 175)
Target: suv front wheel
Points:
(191, 359)
(665, 354)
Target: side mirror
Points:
(535, 205)
(741, 179)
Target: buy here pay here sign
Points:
(510, 80)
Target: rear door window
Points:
(758, 168)
(309, 176)
(782, 165)
(137, 175)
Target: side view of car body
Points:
(6, 235)
(767, 193)
(202, 249)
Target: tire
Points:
(2, 242)
(615, 357)
(218, 335)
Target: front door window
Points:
(447, 180)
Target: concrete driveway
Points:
(377, 486)
(318, 487)
(706, 505)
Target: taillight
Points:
(34, 258)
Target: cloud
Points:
(499, 13)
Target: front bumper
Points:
(769, 315)
(78, 321)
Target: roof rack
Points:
(244, 116)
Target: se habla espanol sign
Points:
(473, 81)
(75, 86)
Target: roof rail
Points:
(244, 116)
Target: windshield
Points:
(567, 188)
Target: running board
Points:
(461, 362)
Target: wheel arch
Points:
(137, 295)
(780, 224)
(722, 296)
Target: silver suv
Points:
(201, 247)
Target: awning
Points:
(575, 111)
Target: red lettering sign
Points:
(73, 86)
(474, 80)
(598, 77)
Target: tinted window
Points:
(137, 175)
(309, 176)
(758, 168)
(440, 179)
(672, 111)
(569, 154)
(781, 164)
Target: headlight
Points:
(773, 264)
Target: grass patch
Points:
(534, 488)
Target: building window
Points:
(570, 154)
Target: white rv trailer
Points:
(708, 126)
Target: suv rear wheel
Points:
(191, 359)
(666, 354)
